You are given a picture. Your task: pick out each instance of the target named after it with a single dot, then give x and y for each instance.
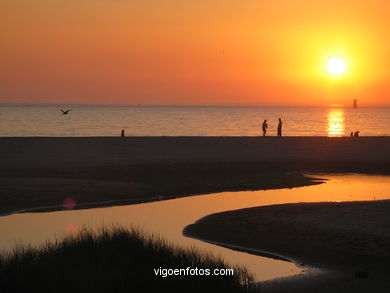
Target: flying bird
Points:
(65, 112)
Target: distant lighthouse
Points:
(354, 103)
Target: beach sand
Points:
(344, 239)
(43, 172)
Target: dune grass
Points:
(114, 259)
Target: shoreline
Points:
(339, 263)
(308, 180)
(306, 270)
(248, 250)
(112, 203)
(36, 172)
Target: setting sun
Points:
(336, 66)
(270, 52)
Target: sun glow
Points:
(336, 66)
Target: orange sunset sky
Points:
(270, 52)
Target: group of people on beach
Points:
(355, 134)
(265, 127)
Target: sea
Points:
(47, 120)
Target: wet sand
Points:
(42, 172)
(343, 239)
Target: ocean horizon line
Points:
(190, 105)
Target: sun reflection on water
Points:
(336, 125)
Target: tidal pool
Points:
(168, 218)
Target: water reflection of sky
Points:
(109, 120)
(335, 123)
(168, 218)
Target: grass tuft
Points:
(114, 259)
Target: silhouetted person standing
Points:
(123, 133)
(264, 127)
(280, 127)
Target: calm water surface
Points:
(168, 218)
(105, 120)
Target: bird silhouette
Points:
(65, 112)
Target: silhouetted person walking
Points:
(123, 133)
(264, 127)
(280, 127)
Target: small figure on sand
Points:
(351, 133)
(123, 133)
(280, 127)
(356, 134)
(264, 127)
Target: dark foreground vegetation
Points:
(113, 260)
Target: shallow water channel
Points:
(168, 218)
